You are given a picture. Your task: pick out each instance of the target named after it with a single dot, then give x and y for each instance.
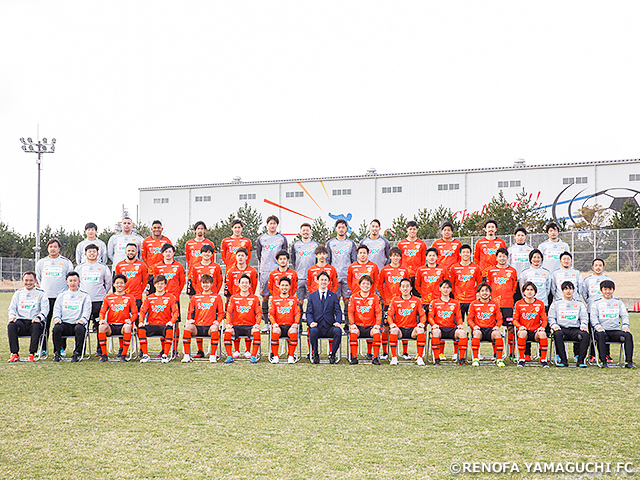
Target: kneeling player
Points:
(445, 319)
(530, 320)
(365, 317)
(158, 316)
(244, 315)
(485, 320)
(117, 315)
(403, 315)
(206, 311)
(284, 314)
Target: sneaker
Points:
(557, 359)
(75, 358)
(186, 359)
(463, 362)
(354, 361)
(544, 364)
(435, 362)
(122, 358)
(14, 358)
(291, 360)
(253, 359)
(275, 359)
(442, 356)
(500, 363)
(236, 354)
(200, 354)
(521, 362)
(159, 355)
(228, 360)
(57, 358)
(31, 358)
(583, 365)
(145, 358)
(575, 358)
(454, 357)
(406, 356)
(376, 361)
(475, 363)
(43, 353)
(247, 354)
(63, 353)
(629, 365)
(384, 356)
(104, 358)
(558, 364)
(394, 361)
(213, 359)
(594, 359)
(165, 359)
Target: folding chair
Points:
(134, 346)
(328, 339)
(86, 345)
(489, 360)
(207, 350)
(157, 356)
(429, 353)
(283, 347)
(619, 363)
(552, 351)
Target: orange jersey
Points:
(244, 310)
(414, 254)
(445, 314)
(529, 315)
(389, 282)
(212, 269)
(229, 248)
(504, 283)
(312, 277)
(465, 279)
(357, 270)
(137, 277)
(205, 309)
(284, 310)
(118, 308)
(174, 272)
(159, 309)
(365, 311)
(484, 314)
(192, 250)
(428, 282)
(484, 253)
(274, 281)
(405, 313)
(448, 252)
(151, 251)
(233, 276)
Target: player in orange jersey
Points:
(173, 272)
(504, 283)
(389, 287)
(151, 250)
(192, 250)
(233, 274)
(465, 278)
(117, 315)
(365, 318)
(206, 312)
(446, 322)
(158, 316)
(485, 321)
(284, 314)
(135, 271)
(406, 319)
(428, 278)
(283, 270)
(244, 315)
(486, 248)
(321, 265)
(362, 266)
(447, 246)
(414, 253)
(530, 318)
(231, 244)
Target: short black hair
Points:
(529, 284)
(502, 250)
(244, 275)
(564, 254)
(166, 247)
(367, 278)
(446, 224)
(320, 249)
(285, 279)
(274, 218)
(466, 246)
(237, 221)
(431, 249)
(551, 225)
(520, 229)
(119, 276)
(159, 278)
(567, 284)
(533, 252)
(597, 260)
(483, 284)
(412, 223)
(156, 222)
(242, 250)
(491, 220)
(607, 284)
(206, 248)
(375, 220)
(198, 223)
(363, 247)
(339, 221)
(281, 253)
(91, 246)
(395, 251)
(90, 225)
(73, 274)
(446, 282)
(323, 273)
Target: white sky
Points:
(153, 93)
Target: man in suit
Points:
(324, 317)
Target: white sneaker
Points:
(213, 359)
(247, 354)
(186, 359)
(419, 361)
(406, 356)
(275, 359)
(165, 359)
(394, 361)
(291, 360)
(236, 354)
(145, 359)
(384, 356)
(454, 357)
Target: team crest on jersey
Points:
(136, 267)
(250, 302)
(452, 307)
(615, 304)
(413, 304)
(491, 309)
(537, 309)
(165, 301)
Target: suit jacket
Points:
(326, 317)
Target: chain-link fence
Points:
(11, 270)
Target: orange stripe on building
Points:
(310, 196)
(287, 209)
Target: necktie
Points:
(322, 299)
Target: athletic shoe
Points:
(544, 364)
(500, 363)
(200, 354)
(557, 358)
(43, 353)
(558, 364)
(376, 361)
(228, 360)
(275, 359)
(31, 358)
(315, 359)
(604, 365)
(575, 358)
(332, 359)
(454, 357)
(394, 361)
(247, 354)
(14, 358)
(369, 356)
(159, 355)
(629, 365)
(463, 362)
(63, 353)
(104, 358)
(145, 358)
(406, 356)
(475, 363)
(165, 359)
(57, 358)
(236, 354)
(443, 356)
(291, 360)
(354, 361)
(122, 358)
(521, 362)
(186, 358)
(583, 365)
(435, 362)
(75, 358)
(384, 356)
(512, 357)
(253, 359)
(213, 359)
(594, 359)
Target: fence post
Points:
(573, 250)
(595, 239)
(617, 250)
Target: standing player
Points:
(465, 277)
(530, 318)
(414, 253)
(568, 319)
(152, 251)
(230, 245)
(117, 316)
(503, 280)
(389, 287)
(243, 319)
(446, 321)
(158, 316)
(365, 317)
(519, 254)
(448, 247)
(406, 319)
(321, 265)
(552, 248)
(71, 317)
(206, 312)
(485, 321)
(267, 246)
(342, 253)
(90, 230)
(284, 315)
(486, 248)
(378, 246)
(135, 272)
(118, 242)
(193, 248)
(302, 258)
(539, 276)
(283, 270)
(566, 273)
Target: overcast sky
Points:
(155, 93)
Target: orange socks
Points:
(168, 341)
(544, 345)
(385, 342)
(186, 341)
(421, 340)
(353, 344)
(142, 336)
(293, 343)
(228, 343)
(102, 342)
(215, 340)
(435, 346)
(499, 347)
(393, 343)
(475, 347)
(256, 343)
(461, 345)
(275, 343)
(376, 344)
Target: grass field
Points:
(204, 421)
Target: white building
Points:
(560, 188)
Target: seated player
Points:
(530, 320)
(283, 270)
(244, 314)
(28, 311)
(205, 313)
(445, 319)
(389, 287)
(71, 314)
(568, 319)
(610, 320)
(117, 316)
(365, 318)
(503, 280)
(428, 279)
(403, 316)
(362, 266)
(158, 315)
(485, 320)
(284, 314)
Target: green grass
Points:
(113, 420)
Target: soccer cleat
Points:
(557, 358)
(104, 358)
(236, 354)
(291, 360)
(247, 354)
(442, 356)
(275, 359)
(369, 356)
(122, 358)
(213, 359)
(394, 361)
(435, 362)
(165, 359)
(75, 358)
(521, 362)
(463, 362)
(186, 358)
(454, 357)
(384, 356)
(253, 359)
(544, 364)
(500, 363)
(228, 360)
(475, 363)
(630, 365)
(354, 361)
(594, 359)
(315, 359)
(57, 358)
(145, 358)
(31, 358)
(14, 358)
(406, 356)
(200, 354)
(583, 365)
(375, 361)
(63, 353)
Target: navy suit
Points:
(325, 318)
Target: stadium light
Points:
(40, 147)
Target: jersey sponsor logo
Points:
(500, 280)
(410, 252)
(405, 311)
(489, 251)
(270, 246)
(395, 279)
(158, 308)
(118, 307)
(131, 274)
(243, 309)
(205, 305)
(465, 278)
(445, 313)
(433, 278)
(284, 310)
(155, 250)
(169, 275)
(446, 253)
(485, 315)
(363, 308)
(530, 315)
(305, 253)
(341, 251)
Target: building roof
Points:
(388, 175)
